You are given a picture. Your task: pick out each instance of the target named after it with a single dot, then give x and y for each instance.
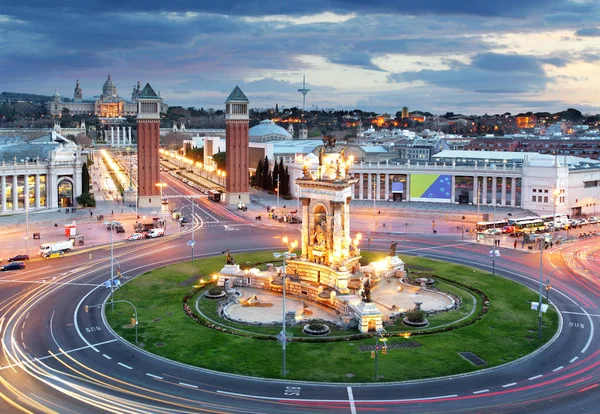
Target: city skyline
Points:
(464, 57)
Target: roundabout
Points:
(59, 358)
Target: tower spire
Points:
(303, 91)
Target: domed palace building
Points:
(109, 105)
(268, 131)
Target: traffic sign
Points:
(191, 243)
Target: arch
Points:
(372, 325)
(65, 192)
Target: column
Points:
(37, 192)
(453, 189)
(494, 185)
(337, 230)
(475, 190)
(118, 133)
(503, 201)
(26, 191)
(387, 187)
(378, 188)
(361, 184)
(407, 189)
(305, 224)
(346, 223)
(484, 191)
(513, 191)
(112, 136)
(3, 194)
(125, 136)
(369, 186)
(15, 197)
(129, 135)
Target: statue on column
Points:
(365, 293)
(229, 258)
(392, 251)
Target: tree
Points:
(259, 175)
(220, 158)
(266, 180)
(85, 179)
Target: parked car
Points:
(593, 220)
(508, 229)
(136, 236)
(13, 266)
(120, 229)
(493, 231)
(19, 258)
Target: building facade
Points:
(40, 174)
(107, 105)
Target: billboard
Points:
(431, 187)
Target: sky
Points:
(467, 56)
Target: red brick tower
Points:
(148, 129)
(236, 147)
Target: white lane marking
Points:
(259, 397)
(351, 400)
(557, 369)
(581, 313)
(509, 385)
(61, 352)
(51, 330)
(188, 385)
(587, 345)
(480, 391)
(154, 376)
(106, 356)
(124, 366)
(573, 359)
(536, 377)
(27, 316)
(75, 318)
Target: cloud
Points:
(588, 32)
(487, 73)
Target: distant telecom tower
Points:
(303, 91)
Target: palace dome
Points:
(267, 131)
(109, 88)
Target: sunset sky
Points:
(470, 57)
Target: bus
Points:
(515, 221)
(483, 226)
(558, 219)
(530, 226)
(214, 196)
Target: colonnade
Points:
(11, 203)
(479, 194)
(122, 139)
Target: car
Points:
(13, 266)
(493, 231)
(120, 229)
(19, 258)
(508, 229)
(184, 219)
(136, 236)
(294, 220)
(583, 222)
(593, 220)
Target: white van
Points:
(153, 233)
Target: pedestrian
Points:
(112, 212)
(91, 214)
(523, 243)
(515, 244)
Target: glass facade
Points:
(9, 192)
(43, 190)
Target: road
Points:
(58, 358)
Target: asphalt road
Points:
(56, 357)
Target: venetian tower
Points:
(236, 147)
(148, 126)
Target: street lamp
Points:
(462, 232)
(494, 252)
(285, 255)
(161, 185)
(548, 283)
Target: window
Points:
(534, 190)
(545, 199)
(545, 191)
(534, 199)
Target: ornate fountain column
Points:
(305, 226)
(337, 231)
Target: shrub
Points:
(415, 315)
(316, 326)
(87, 200)
(215, 291)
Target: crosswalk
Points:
(186, 196)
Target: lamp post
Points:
(548, 287)
(494, 251)
(161, 185)
(541, 281)
(284, 256)
(594, 206)
(112, 271)
(277, 194)
(374, 198)
(462, 231)
(27, 223)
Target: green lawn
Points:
(507, 332)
